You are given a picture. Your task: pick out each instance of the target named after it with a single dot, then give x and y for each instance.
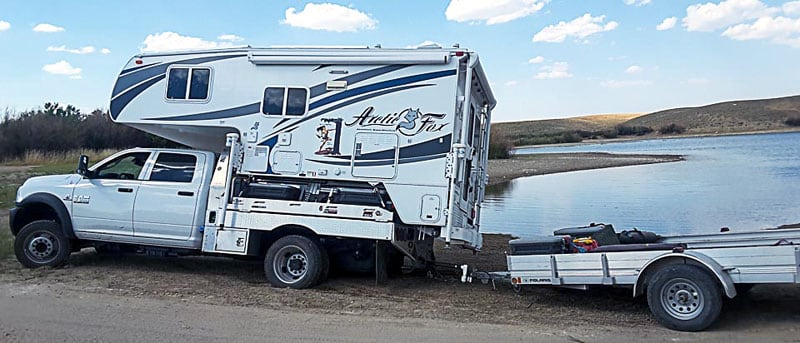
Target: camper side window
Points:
(285, 101)
(188, 83)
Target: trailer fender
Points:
(709, 263)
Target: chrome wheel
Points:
(290, 264)
(682, 299)
(42, 247)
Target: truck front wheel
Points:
(41, 243)
(294, 261)
(684, 297)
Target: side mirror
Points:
(83, 166)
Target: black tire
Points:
(684, 297)
(41, 243)
(326, 265)
(295, 262)
(743, 288)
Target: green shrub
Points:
(625, 130)
(793, 121)
(499, 145)
(671, 129)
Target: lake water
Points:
(742, 182)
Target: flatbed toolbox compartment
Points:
(538, 246)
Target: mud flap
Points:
(381, 262)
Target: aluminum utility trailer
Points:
(685, 285)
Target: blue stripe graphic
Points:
(120, 102)
(375, 163)
(125, 71)
(380, 85)
(227, 113)
(126, 81)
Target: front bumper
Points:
(11, 214)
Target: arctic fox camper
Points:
(323, 155)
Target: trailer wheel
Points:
(41, 243)
(294, 261)
(684, 297)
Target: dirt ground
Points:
(229, 282)
(768, 311)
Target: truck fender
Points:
(709, 263)
(46, 199)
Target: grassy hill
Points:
(725, 117)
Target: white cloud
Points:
(634, 69)
(491, 12)
(105, 51)
(625, 83)
(580, 27)
(637, 2)
(791, 8)
(711, 16)
(329, 17)
(557, 70)
(780, 30)
(536, 60)
(230, 38)
(80, 51)
(171, 41)
(4, 25)
(511, 83)
(667, 24)
(62, 68)
(47, 28)
(424, 43)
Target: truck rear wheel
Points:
(684, 297)
(294, 262)
(41, 243)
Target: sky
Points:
(544, 58)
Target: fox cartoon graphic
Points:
(411, 117)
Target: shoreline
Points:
(655, 137)
(550, 163)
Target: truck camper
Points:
(306, 156)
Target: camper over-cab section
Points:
(410, 123)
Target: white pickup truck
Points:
(179, 202)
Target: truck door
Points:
(104, 202)
(166, 204)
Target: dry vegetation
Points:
(779, 114)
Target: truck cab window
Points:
(285, 101)
(180, 86)
(125, 167)
(173, 168)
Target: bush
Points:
(499, 145)
(624, 130)
(793, 121)
(57, 129)
(671, 129)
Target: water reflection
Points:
(743, 182)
